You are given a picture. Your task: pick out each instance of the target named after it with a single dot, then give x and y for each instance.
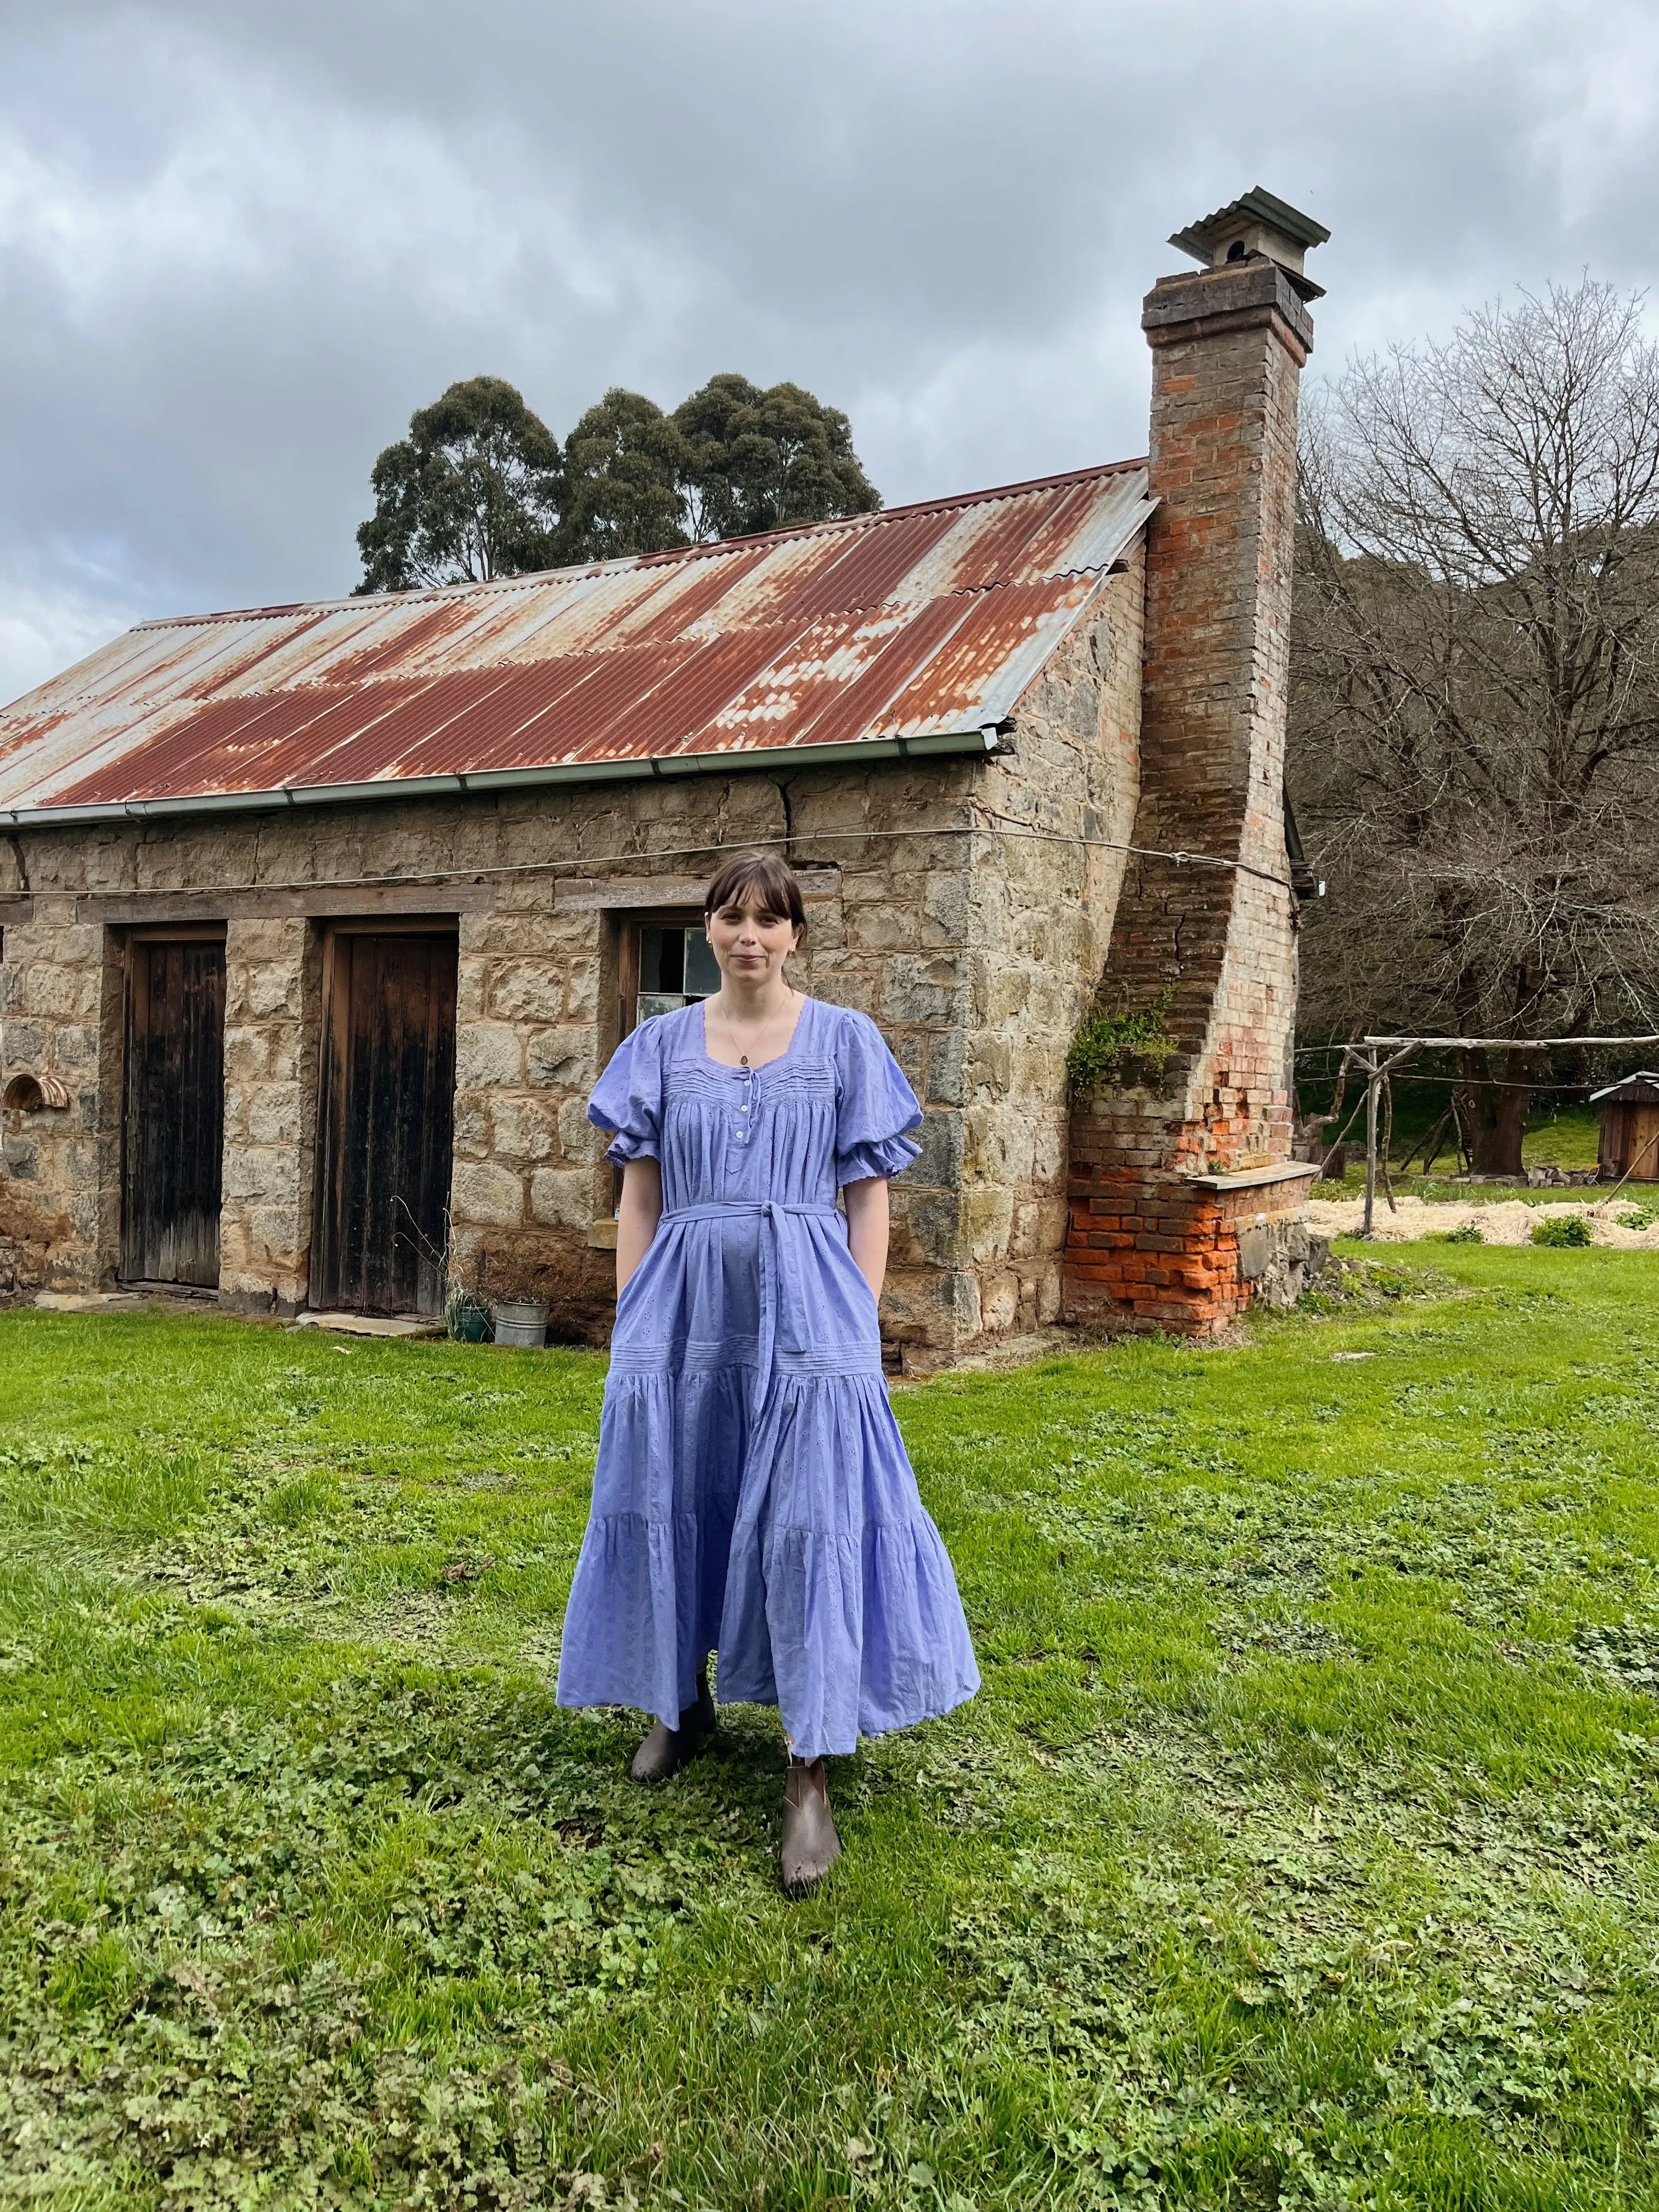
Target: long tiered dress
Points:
(753, 1493)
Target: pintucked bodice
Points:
(750, 1264)
(834, 1109)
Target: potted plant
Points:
(518, 1296)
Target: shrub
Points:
(1113, 1048)
(1470, 1232)
(1562, 1230)
(1640, 1217)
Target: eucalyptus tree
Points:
(766, 460)
(473, 491)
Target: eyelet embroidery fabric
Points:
(752, 1495)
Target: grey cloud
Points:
(239, 244)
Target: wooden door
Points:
(172, 1116)
(384, 1122)
(1641, 1160)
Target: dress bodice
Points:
(834, 1109)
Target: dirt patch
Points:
(1499, 1224)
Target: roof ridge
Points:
(713, 548)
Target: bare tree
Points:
(1475, 715)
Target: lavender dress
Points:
(752, 1494)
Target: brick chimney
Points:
(1183, 1202)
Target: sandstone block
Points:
(60, 993)
(887, 928)
(75, 1045)
(564, 1058)
(917, 989)
(527, 991)
(945, 906)
(925, 1227)
(485, 1196)
(522, 1128)
(471, 1125)
(946, 1079)
(581, 990)
(274, 1115)
(579, 1139)
(270, 988)
(1025, 1238)
(261, 1176)
(562, 1197)
(247, 1055)
(22, 1044)
(987, 1220)
(487, 1055)
(940, 1160)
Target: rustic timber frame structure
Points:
(319, 922)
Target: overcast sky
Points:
(240, 243)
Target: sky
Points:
(240, 243)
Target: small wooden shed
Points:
(1630, 1128)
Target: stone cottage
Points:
(319, 922)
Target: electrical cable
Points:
(999, 826)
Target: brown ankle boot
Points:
(665, 1750)
(811, 1845)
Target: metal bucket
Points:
(521, 1323)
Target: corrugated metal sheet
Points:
(926, 621)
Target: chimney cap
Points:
(1260, 223)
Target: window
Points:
(664, 962)
(675, 969)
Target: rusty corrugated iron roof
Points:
(920, 624)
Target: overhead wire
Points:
(999, 825)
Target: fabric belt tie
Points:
(773, 1258)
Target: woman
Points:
(752, 1495)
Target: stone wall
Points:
(273, 1013)
(1041, 899)
(60, 1014)
(974, 949)
(1215, 945)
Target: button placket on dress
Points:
(747, 1110)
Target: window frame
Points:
(634, 921)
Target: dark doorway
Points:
(385, 1121)
(173, 1115)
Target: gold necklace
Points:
(767, 1028)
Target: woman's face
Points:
(751, 940)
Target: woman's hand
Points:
(638, 1215)
(867, 1229)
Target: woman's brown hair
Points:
(763, 874)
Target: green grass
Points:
(1300, 1848)
(1569, 1138)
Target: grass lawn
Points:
(1301, 1847)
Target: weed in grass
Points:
(1562, 1232)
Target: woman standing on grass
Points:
(752, 1495)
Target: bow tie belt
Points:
(775, 1255)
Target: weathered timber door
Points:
(172, 1111)
(385, 1121)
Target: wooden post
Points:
(1373, 1085)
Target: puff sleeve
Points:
(628, 1097)
(875, 1107)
